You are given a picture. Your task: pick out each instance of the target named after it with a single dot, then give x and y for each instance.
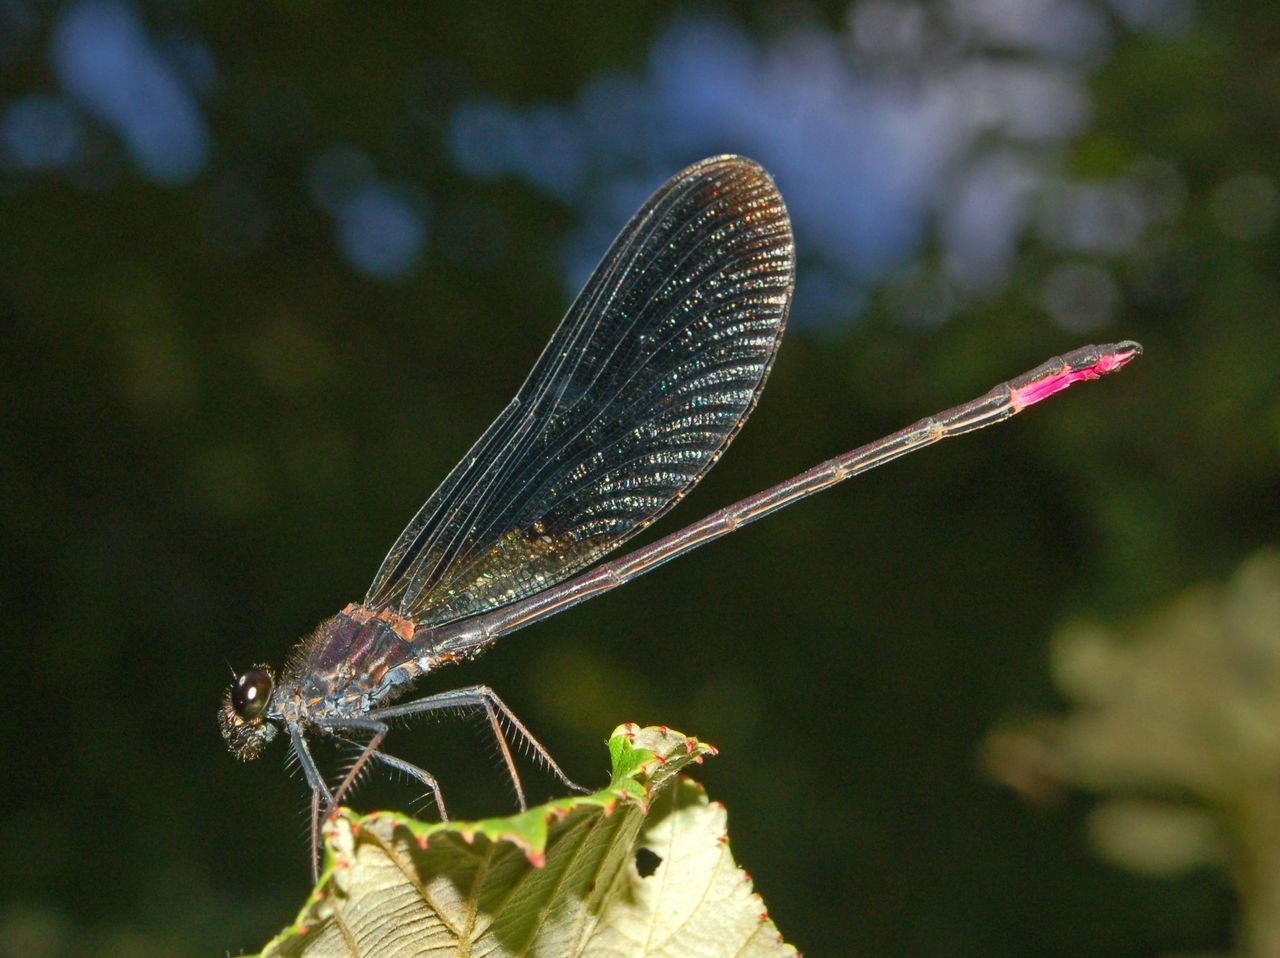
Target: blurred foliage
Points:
(214, 425)
(1176, 724)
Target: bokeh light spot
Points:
(380, 232)
(1081, 297)
(1245, 206)
(104, 59)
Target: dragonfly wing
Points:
(651, 373)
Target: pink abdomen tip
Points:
(1091, 362)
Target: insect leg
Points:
(318, 790)
(413, 771)
(379, 732)
(370, 751)
(421, 774)
(481, 696)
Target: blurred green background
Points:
(266, 270)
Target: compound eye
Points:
(250, 693)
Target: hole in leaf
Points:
(647, 862)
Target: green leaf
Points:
(563, 879)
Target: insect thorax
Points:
(352, 661)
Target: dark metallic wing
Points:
(649, 376)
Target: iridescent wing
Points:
(652, 372)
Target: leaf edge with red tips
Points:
(645, 761)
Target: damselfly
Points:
(649, 376)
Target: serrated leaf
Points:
(558, 880)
